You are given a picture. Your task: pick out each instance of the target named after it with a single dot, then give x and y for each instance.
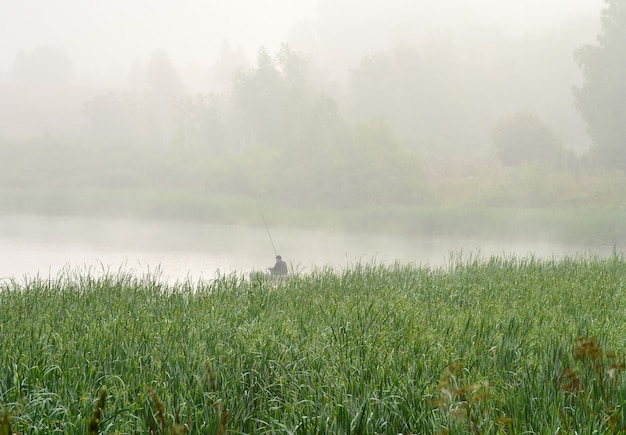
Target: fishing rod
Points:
(266, 227)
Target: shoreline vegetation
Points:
(593, 225)
(497, 345)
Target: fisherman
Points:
(279, 269)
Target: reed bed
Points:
(498, 345)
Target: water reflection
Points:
(177, 251)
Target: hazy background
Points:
(105, 38)
(168, 109)
(106, 41)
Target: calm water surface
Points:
(45, 246)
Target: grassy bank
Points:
(576, 225)
(503, 345)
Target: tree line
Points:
(282, 129)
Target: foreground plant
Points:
(5, 424)
(96, 418)
(158, 423)
(465, 404)
(595, 385)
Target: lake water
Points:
(44, 246)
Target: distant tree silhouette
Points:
(602, 97)
(164, 90)
(228, 63)
(524, 139)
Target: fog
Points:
(104, 37)
(95, 49)
(49, 247)
(144, 109)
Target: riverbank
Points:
(595, 225)
(36, 245)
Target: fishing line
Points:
(266, 227)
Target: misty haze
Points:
(312, 217)
(199, 138)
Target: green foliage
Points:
(481, 346)
(201, 126)
(389, 86)
(524, 139)
(142, 117)
(417, 96)
(5, 424)
(298, 148)
(602, 97)
(273, 103)
(96, 418)
(492, 184)
(594, 384)
(465, 404)
(281, 135)
(378, 170)
(575, 220)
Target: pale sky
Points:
(102, 35)
(111, 33)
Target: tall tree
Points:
(525, 139)
(602, 97)
(424, 98)
(165, 88)
(144, 115)
(228, 63)
(273, 101)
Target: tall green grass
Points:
(498, 345)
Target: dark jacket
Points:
(280, 268)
